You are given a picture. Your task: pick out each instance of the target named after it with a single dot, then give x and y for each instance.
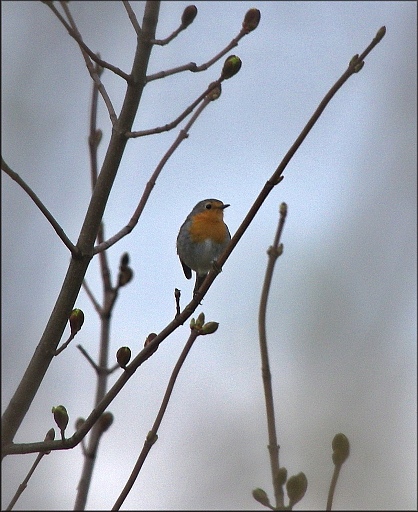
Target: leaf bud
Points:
(76, 320)
(261, 496)
(200, 320)
(123, 356)
(231, 67)
(125, 275)
(105, 421)
(251, 20)
(61, 418)
(124, 260)
(341, 449)
(281, 476)
(209, 327)
(296, 487)
(188, 16)
(381, 33)
(215, 92)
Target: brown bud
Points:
(188, 16)
(105, 420)
(251, 20)
(123, 356)
(124, 260)
(125, 275)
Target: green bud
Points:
(192, 323)
(209, 328)
(251, 20)
(60, 417)
(189, 14)
(123, 356)
(281, 476)
(76, 320)
(341, 449)
(105, 420)
(261, 496)
(231, 67)
(200, 320)
(296, 487)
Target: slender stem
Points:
(273, 252)
(152, 434)
(58, 229)
(332, 486)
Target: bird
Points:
(202, 238)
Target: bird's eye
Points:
(208, 206)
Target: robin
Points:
(202, 239)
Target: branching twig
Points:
(49, 436)
(75, 34)
(58, 229)
(193, 67)
(274, 252)
(11, 447)
(151, 183)
(152, 434)
(85, 50)
(354, 66)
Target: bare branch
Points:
(75, 34)
(274, 252)
(132, 17)
(58, 229)
(182, 116)
(150, 185)
(152, 434)
(192, 65)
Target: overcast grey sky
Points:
(342, 310)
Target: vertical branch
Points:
(273, 252)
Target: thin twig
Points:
(333, 485)
(75, 34)
(58, 229)
(274, 252)
(96, 305)
(132, 17)
(49, 436)
(192, 65)
(89, 359)
(65, 345)
(353, 67)
(14, 448)
(152, 434)
(183, 115)
(86, 52)
(151, 183)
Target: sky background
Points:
(341, 318)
